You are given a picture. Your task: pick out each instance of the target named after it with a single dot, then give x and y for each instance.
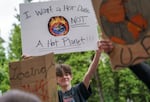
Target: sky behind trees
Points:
(8, 10)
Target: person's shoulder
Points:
(59, 92)
(79, 85)
(60, 95)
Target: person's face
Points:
(64, 80)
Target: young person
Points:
(82, 91)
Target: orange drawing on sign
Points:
(117, 40)
(136, 25)
(39, 88)
(113, 10)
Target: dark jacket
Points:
(142, 71)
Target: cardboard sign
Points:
(127, 27)
(60, 26)
(36, 75)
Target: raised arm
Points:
(103, 45)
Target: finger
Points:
(106, 43)
(25, 56)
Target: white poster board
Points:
(58, 26)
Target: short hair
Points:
(16, 95)
(62, 69)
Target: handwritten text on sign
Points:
(35, 75)
(58, 26)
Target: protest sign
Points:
(36, 75)
(127, 27)
(59, 26)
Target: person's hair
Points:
(15, 95)
(62, 69)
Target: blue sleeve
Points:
(142, 71)
(84, 91)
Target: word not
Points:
(78, 20)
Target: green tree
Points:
(121, 85)
(4, 77)
(14, 53)
(2, 52)
(15, 49)
(4, 80)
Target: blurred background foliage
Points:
(107, 85)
